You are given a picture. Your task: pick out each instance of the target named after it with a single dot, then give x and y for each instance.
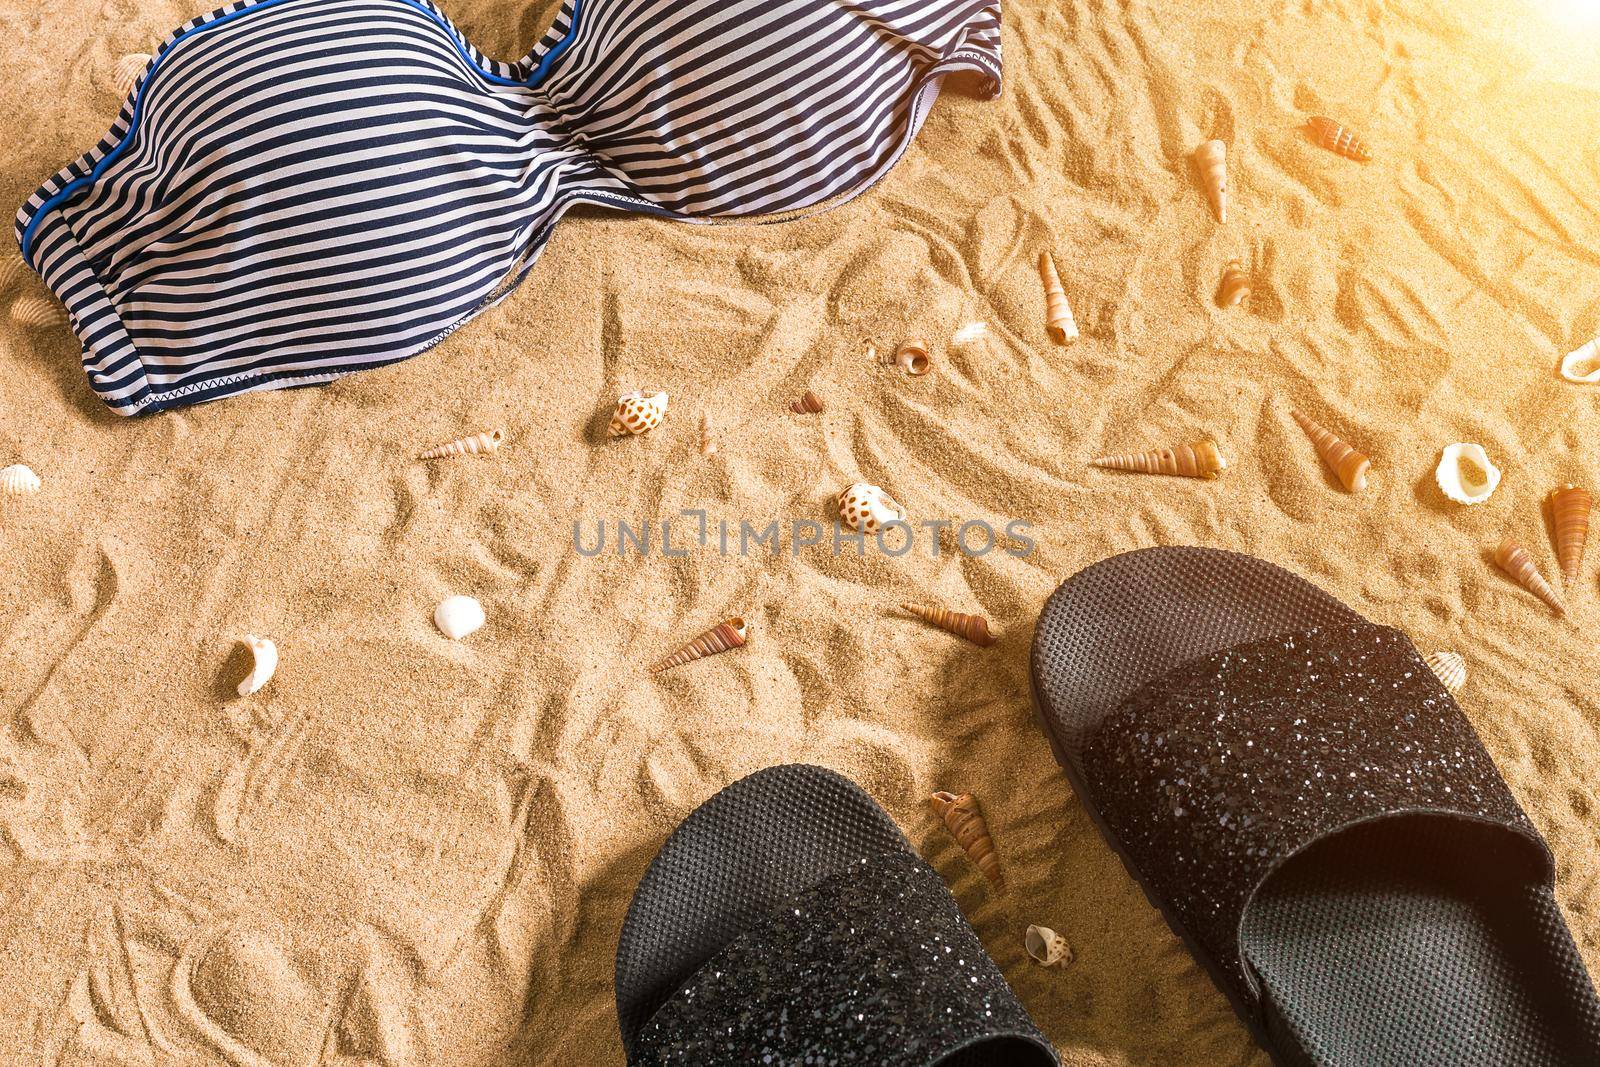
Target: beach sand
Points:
(408, 851)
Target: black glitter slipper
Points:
(1313, 814)
(788, 921)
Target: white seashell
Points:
(1582, 364)
(11, 268)
(971, 333)
(1047, 947)
(1465, 474)
(1451, 669)
(478, 444)
(38, 312)
(265, 654)
(458, 616)
(125, 75)
(18, 480)
(638, 412)
(867, 508)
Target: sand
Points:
(411, 851)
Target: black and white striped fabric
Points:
(299, 189)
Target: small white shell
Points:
(1047, 947)
(18, 480)
(458, 616)
(37, 312)
(638, 412)
(867, 508)
(1451, 669)
(1465, 474)
(1582, 364)
(970, 333)
(127, 72)
(11, 268)
(265, 654)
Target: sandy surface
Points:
(409, 851)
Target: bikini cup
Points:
(300, 189)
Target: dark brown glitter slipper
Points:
(1313, 814)
(788, 921)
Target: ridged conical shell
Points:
(808, 404)
(1212, 159)
(964, 820)
(477, 444)
(638, 412)
(1569, 509)
(1515, 561)
(1235, 285)
(1348, 465)
(1199, 460)
(1335, 138)
(125, 75)
(974, 628)
(1450, 668)
(1057, 312)
(37, 312)
(19, 480)
(720, 638)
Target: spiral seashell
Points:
(808, 404)
(477, 444)
(1582, 364)
(720, 638)
(1569, 509)
(38, 312)
(1348, 465)
(459, 616)
(1515, 561)
(1465, 474)
(965, 822)
(708, 443)
(867, 509)
(129, 69)
(19, 480)
(1235, 285)
(1048, 948)
(974, 628)
(1212, 159)
(264, 664)
(638, 412)
(1199, 460)
(1450, 668)
(912, 357)
(1063, 328)
(1335, 138)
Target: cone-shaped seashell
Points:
(18, 480)
(458, 616)
(969, 333)
(974, 628)
(1048, 948)
(1058, 318)
(1515, 561)
(1465, 474)
(808, 404)
(1582, 364)
(1199, 460)
(720, 638)
(1348, 465)
(1235, 285)
(38, 312)
(1335, 138)
(965, 823)
(708, 443)
(264, 656)
(1451, 669)
(912, 357)
(1569, 509)
(866, 508)
(481, 443)
(1212, 159)
(638, 412)
(125, 75)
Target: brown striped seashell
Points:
(1348, 465)
(708, 443)
(1058, 318)
(1235, 285)
(1335, 138)
(808, 404)
(1212, 159)
(1450, 668)
(478, 444)
(1199, 460)
(1048, 948)
(912, 357)
(638, 412)
(38, 312)
(974, 628)
(720, 638)
(129, 69)
(965, 822)
(19, 480)
(1569, 508)
(1515, 561)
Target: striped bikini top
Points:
(299, 189)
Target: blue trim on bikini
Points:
(94, 175)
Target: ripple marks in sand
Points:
(256, 777)
(244, 998)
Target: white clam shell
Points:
(18, 480)
(1582, 364)
(128, 70)
(458, 616)
(1465, 474)
(1047, 947)
(866, 508)
(265, 655)
(970, 333)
